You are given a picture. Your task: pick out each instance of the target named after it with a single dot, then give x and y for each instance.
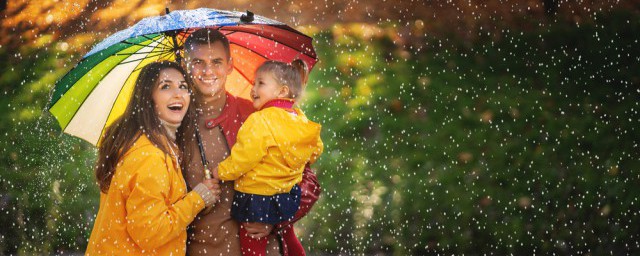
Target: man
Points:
(207, 58)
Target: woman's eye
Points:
(164, 86)
(183, 86)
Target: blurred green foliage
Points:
(527, 143)
(48, 197)
(518, 143)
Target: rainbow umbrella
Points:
(97, 90)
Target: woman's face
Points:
(171, 96)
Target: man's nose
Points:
(208, 69)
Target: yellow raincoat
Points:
(271, 150)
(147, 208)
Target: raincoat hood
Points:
(297, 138)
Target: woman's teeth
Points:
(175, 106)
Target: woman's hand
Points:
(214, 186)
(257, 229)
(209, 190)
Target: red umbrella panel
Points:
(252, 45)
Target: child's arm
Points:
(251, 146)
(214, 173)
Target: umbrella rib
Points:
(243, 47)
(257, 53)
(145, 57)
(159, 41)
(138, 67)
(302, 52)
(134, 53)
(130, 43)
(294, 31)
(86, 69)
(242, 74)
(161, 56)
(85, 99)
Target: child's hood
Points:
(297, 137)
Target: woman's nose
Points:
(178, 93)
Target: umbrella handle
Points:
(207, 174)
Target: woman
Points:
(144, 204)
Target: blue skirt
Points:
(265, 209)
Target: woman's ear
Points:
(284, 92)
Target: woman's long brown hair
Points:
(140, 117)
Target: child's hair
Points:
(293, 75)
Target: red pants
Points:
(291, 246)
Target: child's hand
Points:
(257, 230)
(214, 173)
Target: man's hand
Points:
(257, 229)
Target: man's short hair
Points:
(207, 36)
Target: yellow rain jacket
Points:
(147, 208)
(271, 150)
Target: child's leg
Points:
(291, 242)
(252, 246)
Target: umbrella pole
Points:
(205, 163)
(203, 157)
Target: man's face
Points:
(208, 65)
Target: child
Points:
(274, 144)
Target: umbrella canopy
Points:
(97, 90)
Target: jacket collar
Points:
(286, 104)
(213, 122)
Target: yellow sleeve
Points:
(316, 154)
(254, 138)
(152, 221)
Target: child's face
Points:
(266, 88)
